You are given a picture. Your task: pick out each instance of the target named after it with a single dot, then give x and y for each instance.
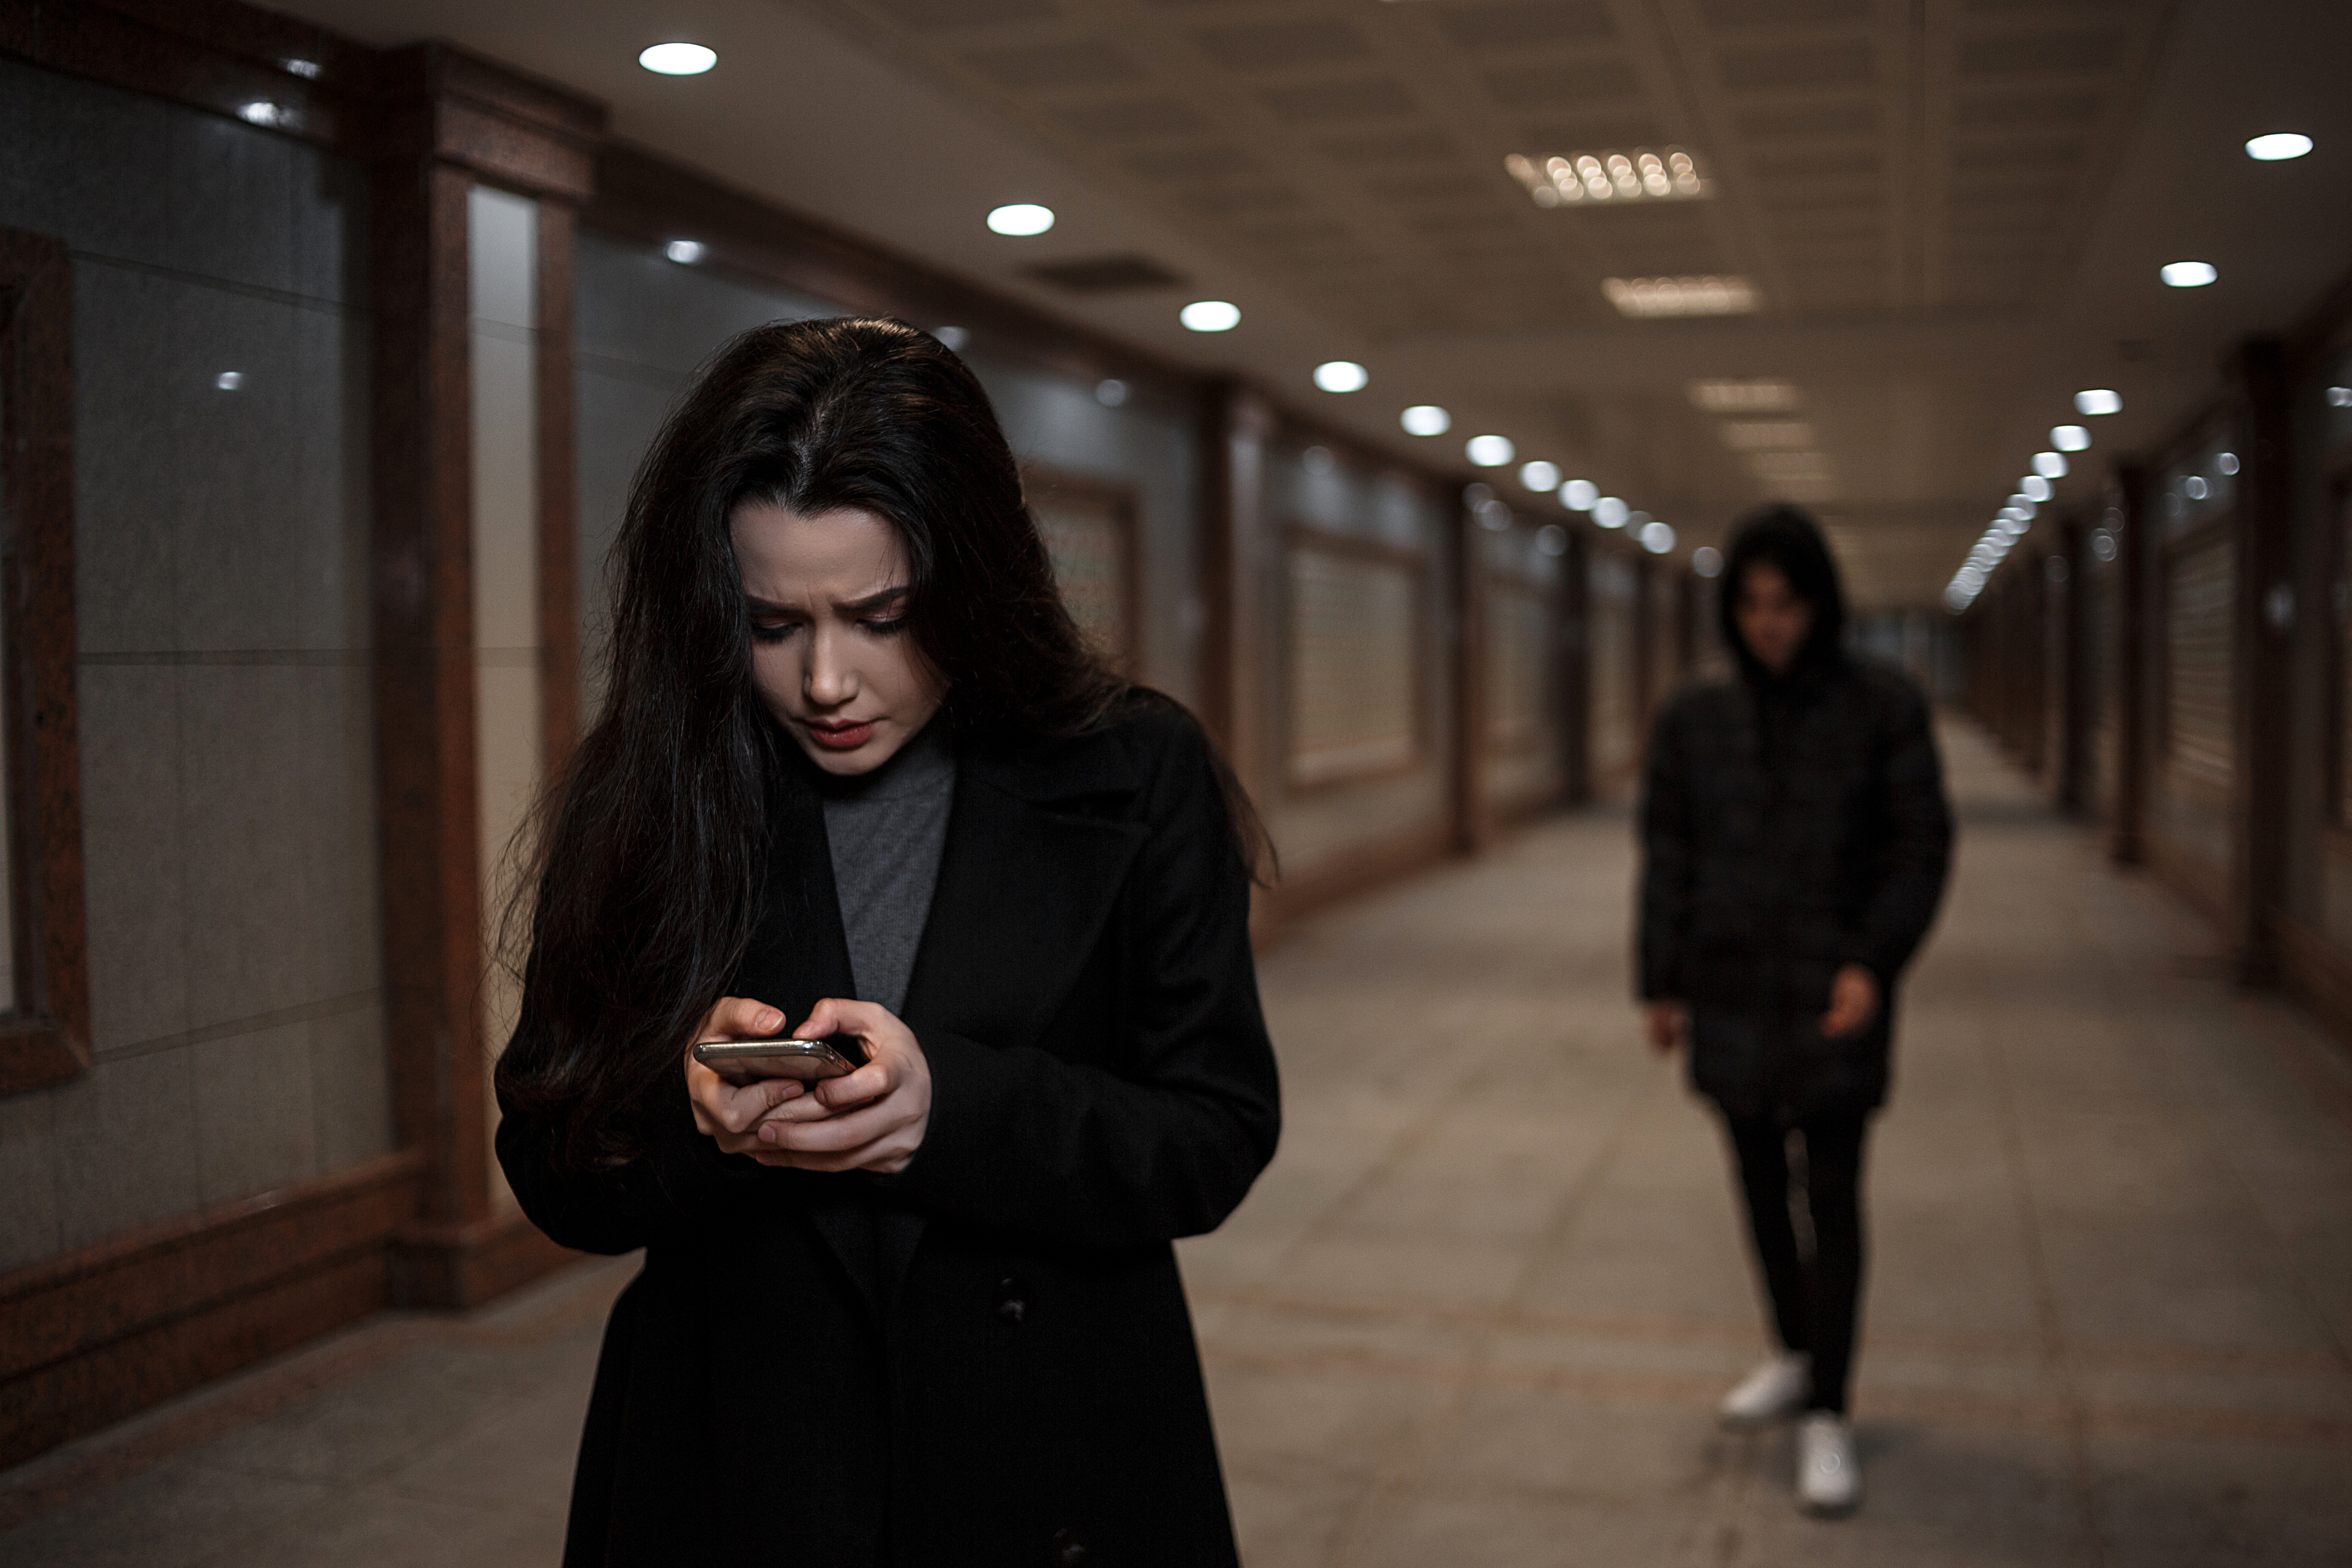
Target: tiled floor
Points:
(1480, 1308)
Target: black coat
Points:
(1788, 828)
(1001, 1371)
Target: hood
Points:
(1789, 539)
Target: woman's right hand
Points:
(731, 1113)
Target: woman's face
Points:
(1772, 620)
(831, 653)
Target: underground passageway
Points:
(1480, 1308)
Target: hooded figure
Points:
(1795, 839)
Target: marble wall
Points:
(221, 508)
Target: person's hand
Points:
(873, 1119)
(727, 1111)
(1663, 1023)
(1854, 1002)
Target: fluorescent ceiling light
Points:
(678, 59)
(1657, 537)
(1425, 419)
(1608, 178)
(1023, 218)
(685, 252)
(2187, 273)
(2070, 437)
(2278, 146)
(1539, 475)
(1644, 298)
(2097, 401)
(1766, 434)
(1579, 494)
(1743, 394)
(1489, 451)
(1610, 512)
(1341, 376)
(2050, 464)
(1211, 316)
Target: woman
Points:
(1795, 840)
(858, 774)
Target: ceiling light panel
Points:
(1744, 395)
(1610, 178)
(1648, 297)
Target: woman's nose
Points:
(829, 681)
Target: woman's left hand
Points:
(1854, 1002)
(872, 1119)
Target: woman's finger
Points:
(741, 1018)
(836, 1134)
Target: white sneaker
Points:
(1773, 1392)
(1829, 1477)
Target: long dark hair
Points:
(652, 848)
(1787, 539)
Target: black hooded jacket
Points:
(1789, 825)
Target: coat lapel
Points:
(799, 955)
(1025, 887)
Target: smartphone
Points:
(744, 1061)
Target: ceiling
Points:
(1950, 212)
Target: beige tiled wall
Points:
(220, 538)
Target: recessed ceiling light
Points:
(955, 337)
(2034, 488)
(1020, 218)
(262, 111)
(2070, 437)
(1552, 539)
(1341, 376)
(2187, 273)
(1703, 296)
(685, 252)
(1657, 537)
(1211, 316)
(1578, 494)
(678, 59)
(1489, 451)
(1743, 394)
(2278, 146)
(1425, 419)
(1707, 561)
(229, 380)
(1539, 475)
(1111, 393)
(1610, 512)
(2097, 401)
(1581, 179)
(2050, 464)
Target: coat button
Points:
(1012, 1309)
(1069, 1549)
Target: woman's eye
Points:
(770, 631)
(882, 626)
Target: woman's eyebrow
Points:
(872, 601)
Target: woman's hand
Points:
(1854, 1002)
(872, 1119)
(1663, 1023)
(730, 1111)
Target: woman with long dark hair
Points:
(1795, 839)
(857, 775)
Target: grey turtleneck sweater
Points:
(887, 829)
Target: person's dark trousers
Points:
(1815, 1290)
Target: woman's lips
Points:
(841, 737)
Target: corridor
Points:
(1480, 1308)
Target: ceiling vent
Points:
(1105, 275)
